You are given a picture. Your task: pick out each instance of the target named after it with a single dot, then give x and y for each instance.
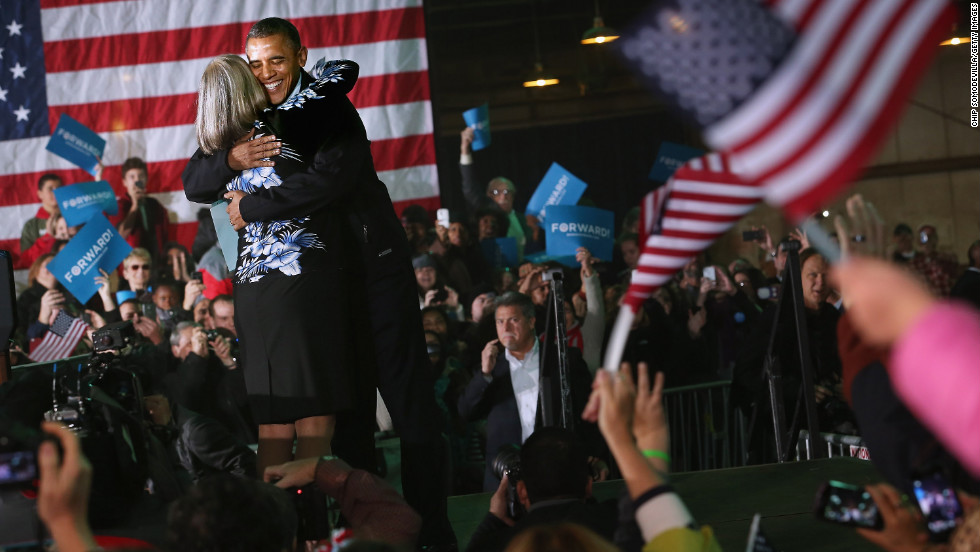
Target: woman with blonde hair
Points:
(291, 282)
(560, 537)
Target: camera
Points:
(552, 274)
(753, 235)
(113, 337)
(148, 310)
(847, 505)
(212, 334)
(937, 500)
(508, 462)
(18, 454)
(441, 295)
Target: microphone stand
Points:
(556, 316)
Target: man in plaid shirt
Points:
(939, 269)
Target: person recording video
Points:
(141, 220)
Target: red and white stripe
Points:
(130, 71)
(54, 347)
(705, 198)
(823, 113)
(651, 209)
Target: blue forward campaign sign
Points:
(77, 143)
(671, 157)
(96, 246)
(478, 119)
(570, 226)
(83, 200)
(558, 187)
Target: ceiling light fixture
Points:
(599, 33)
(538, 78)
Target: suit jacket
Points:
(494, 400)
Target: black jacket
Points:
(204, 447)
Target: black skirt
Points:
(296, 345)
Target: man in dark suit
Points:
(510, 386)
(342, 173)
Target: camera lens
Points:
(508, 460)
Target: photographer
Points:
(432, 291)
(141, 220)
(146, 326)
(200, 445)
(206, 378)
(554, 484)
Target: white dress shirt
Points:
(524, 378)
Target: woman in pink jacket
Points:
(935, 359)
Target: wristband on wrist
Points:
(651, 453)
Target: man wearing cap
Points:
(500, 193)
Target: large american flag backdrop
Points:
(129, 70)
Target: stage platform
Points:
(727, 499)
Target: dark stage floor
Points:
(727, 499)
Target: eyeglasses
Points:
(139, 267)
(503, 191)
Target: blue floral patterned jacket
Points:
(303, 122)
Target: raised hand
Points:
(292, 474)
(863, 233)
(51, 302)
(488, 358)
(63, 490)
(466, 140)
(649, 419)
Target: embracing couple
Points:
(324, 290)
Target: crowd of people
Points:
(488, 380)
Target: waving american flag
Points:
(794, 95)
(129, 70)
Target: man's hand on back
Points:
(249, 154)
(234, 214)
